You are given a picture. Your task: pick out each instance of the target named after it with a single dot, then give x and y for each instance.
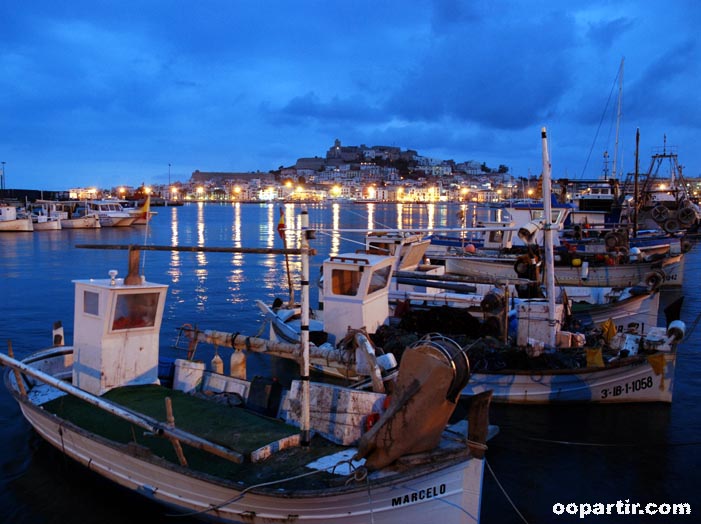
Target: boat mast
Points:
(636, 205)
(618, 119)
(548, 243)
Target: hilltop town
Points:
(345, 173)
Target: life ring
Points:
(611, 240)
(654, 279)
(686, 215)
(671, 225)
(659, 213)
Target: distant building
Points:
(221, 178)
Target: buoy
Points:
(577, 262)
(584, 273)
(238, 364)
(676, 330)
(217, 363)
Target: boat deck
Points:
(229, 426)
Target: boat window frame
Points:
(134, 310)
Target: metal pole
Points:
(548, 243)
(2, 179)
(304, 334)
(168, 184)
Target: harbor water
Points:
(544, 456)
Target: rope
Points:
(331, 469)
(611, 445)
(491, 471)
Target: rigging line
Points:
(243, 493)
(491, 471)
(601, 120)
(344, 239)
(611, 445)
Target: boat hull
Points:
(116, 221)
(48, 225)
(635, 382)
(450, 491)
(622, 275)
(19, 225)
(87, 222)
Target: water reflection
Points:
(237, 259)
(335, 224)
(431, 215)
(175, 262)
(201, 257)
(371, 216)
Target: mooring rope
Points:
(491, 471)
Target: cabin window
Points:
(379, 279)
(135, 310)
(376, 248)
(345, 282)
(91, 303)
(496, 236)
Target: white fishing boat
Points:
(72, 214)
(314, 453)
(601, 271)
(10, 221)
(111, 213)
(142, 214)
(44, 216)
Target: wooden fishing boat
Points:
(44, 216)
(314, 453)
(71, 213)
(602, 271)
(11, 221)
(111, 213)
(522, 349)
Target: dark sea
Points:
(542, 457)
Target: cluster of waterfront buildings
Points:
(347, 173)
(350, 173)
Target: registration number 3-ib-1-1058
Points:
(629, 387)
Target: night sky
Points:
(105, 93)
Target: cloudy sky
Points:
(101, 93)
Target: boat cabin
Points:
(356, 289)
(116, 333)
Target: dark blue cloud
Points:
(94, 90)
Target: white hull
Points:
(20, 224)
(116, 221)
(445, 495)
(88, 222)
(636, 382)
(623, 275)
(449, 493)
(48, 225)
(639, 309)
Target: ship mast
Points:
(548, 243)
(618, 119)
